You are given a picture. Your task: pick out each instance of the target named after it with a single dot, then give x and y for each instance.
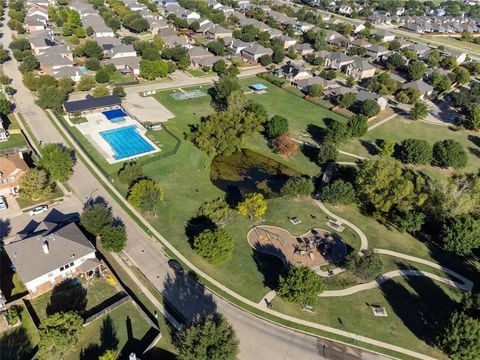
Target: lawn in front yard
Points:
(14, 140)
(399, 129)
(414, 307)
(26, 203)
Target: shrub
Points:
(449, 153)
(13, 315)
(215, 246)
(365, 266)
(285, 146)
(296, 186)
(339, 192)
(415, 151)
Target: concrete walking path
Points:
(352, 155)
(382, 122)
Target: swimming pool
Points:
(126, 142)
(114, 114)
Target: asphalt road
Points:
(258, 339)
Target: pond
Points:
(248, 172)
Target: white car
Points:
(38, 210)
(3, 204)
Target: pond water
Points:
(247, 172)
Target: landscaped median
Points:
(197, 166)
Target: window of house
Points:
(61, 269)
(67, 266)
(71, 264)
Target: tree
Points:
(416, 70)
(395, 61)
(365, 266)
(266, 60)
(385, 187)
(462, 76)
(86, 83)
(370, 108)
(102, 76)
(415, 151)
(473, 120)
(216, 210)
(35, 185)
(109, 355)
(150, 70)
(285, 146)
(95, 217)
(339, 192)
(58, 161)
(459, 337)
(449, 153)
(215, 246)
(327, 152)
(219, 66)
(254, 205)
(276, 126)
(92, 49)
(145, 195)
(336, 133)
(297, 186)
(51, 97)
(119, 90)
(419, 110)
(58, 333)
(208, 337)
(300, 285)
(129, 173)
(223, 88)
(347, 100)
(5, 107)
(315, 90)
(449, 62)
(408, 96)
(358, 125)
(411, 221)
(387, 147)
(100, 90)
(460, 234)
(434, 58)
(29, 63)
(113, 238)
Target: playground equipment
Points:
(269, 235)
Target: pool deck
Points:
(98, 123)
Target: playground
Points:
(313, 249)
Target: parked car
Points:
(3, 204)
(175, 265)
(38, 210)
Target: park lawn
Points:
(14, 140)
(299, 112)
(457, 42)
(19, 342)
(96, 292)
(164, 140)
(414, 306)
(399, 129)
(116, 325)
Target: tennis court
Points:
(126, 142)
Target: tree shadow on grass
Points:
(421, 308)
(310, 152)
(68, 296)
(16, 345)
(108, 341)
(197, 225)
(269, 265)
(5, 228)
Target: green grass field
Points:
(19, 342)
(414, 306)
(399, 129)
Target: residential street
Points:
(258, 339)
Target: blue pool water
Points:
(126, 142)
(114, 114)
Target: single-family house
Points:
(198, 52)
(208, 61)
(459, 56)
(303, 48)
(51, 254)
(121, 51)
(255, 52)
(40, 41)
(174, 40)
(35, 23)
(12, 168)
(377, 52)
(303, 84)
(421, 86)
(345, 10)
(287, 41)
(293, 72)
(128, 65)
(384, 35)
(420, 49)
(360, 69)
(238, 45)
(364, 95)
(337, 60)
(218, 32)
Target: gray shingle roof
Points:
(65, 243)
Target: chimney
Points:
(45, 247)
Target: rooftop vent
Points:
(45, 247)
